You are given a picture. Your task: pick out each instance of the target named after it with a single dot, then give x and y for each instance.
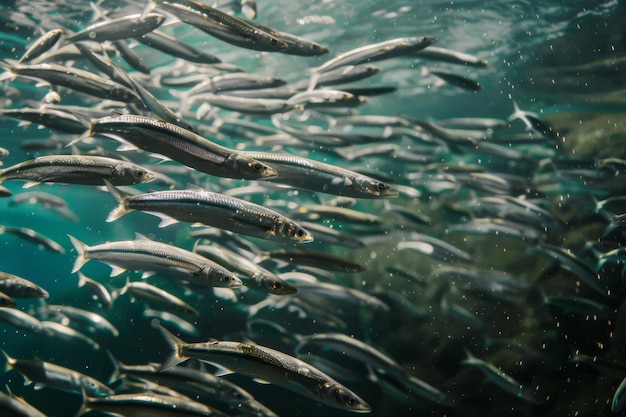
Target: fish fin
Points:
(86, 134)
(9, 361)
(147, 274)
(116, 270)
(80, 248)
(82, 279)
(161, 158)
(165, 219)
(175, 345)
(124, 289)
(31, 184)
(221, 371)
(120, 198)
(139, 236)
(261, 381)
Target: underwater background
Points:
(518, 299)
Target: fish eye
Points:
(380, 186)
(300, 233)
(225, 278)
(273, 41)
(257, 167)
(139, 173)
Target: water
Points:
(561, 60)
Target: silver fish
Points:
(55, 376)
(170, 45)
(19, 287)
(17, 407)
(228, 28)
(120, 28)
(150, 256)
(78, 80)
(34, 237)
(270, 365)
(77, 169)
(98, 290)
(181, 145)
(41, 45)
(502, 380)
(157, 296)
(256, 277)
(319, 176)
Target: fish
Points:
(181, 145)
(34, 237)
(41, 45)
(437, 53)
(150, 256)
(322, 177)
(14, 406)
(59, 332)
(214, 209)
(270, 365)
(376, 52)
(255, 276)
(147, 403)
(54, 376)
(120, 28)
(454, 79)
(77, 169)
(21, 320)
(180, 324)
(156, 296)
(69, 314)
(502, 380)
(314, 258)
(19, 287)
(435, 248)
(6, 300)
(175, 47)
(77, 80)
(131, 57)
(350, 347)
(99, 291)
(49, 117)
(225, 27)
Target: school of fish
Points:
(313, 254)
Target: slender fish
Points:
(269, 365)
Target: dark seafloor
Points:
(518, 298)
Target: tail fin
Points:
(9, 361)
(120, 198)
(175, 345)
(80, 248)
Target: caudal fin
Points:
(120, 198)
(175, 345)
(80, 248)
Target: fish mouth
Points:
(362, 407)
(269, 172)
(390, 192)
(306, 238)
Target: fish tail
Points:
(9, 361)
(80, 250)
(120, 198)
(116, 374)
(82, 279)
(175, 345)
